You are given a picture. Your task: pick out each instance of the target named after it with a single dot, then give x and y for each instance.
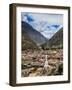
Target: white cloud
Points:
(42, 21)
(48, 33)
(50, 18)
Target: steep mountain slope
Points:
(27, 43)
(35, 36)
(55, 41)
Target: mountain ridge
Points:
(55, 41)
(36, 36)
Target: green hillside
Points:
(27, 43)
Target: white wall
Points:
(4, 45)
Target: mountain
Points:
(33, 34)
(27, 43)
(55, 41)
(57, 38)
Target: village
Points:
(42, 62)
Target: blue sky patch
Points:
(46, 24)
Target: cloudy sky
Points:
(46, 24)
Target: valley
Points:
(41, 56)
